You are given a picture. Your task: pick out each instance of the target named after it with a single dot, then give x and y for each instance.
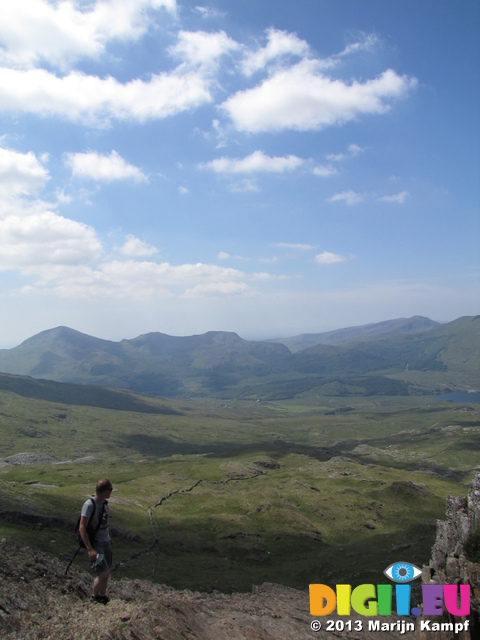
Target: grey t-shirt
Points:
(103, 535)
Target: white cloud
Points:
(221, 133)
(324, 171)
(103, 168)
(139, 279)
(280, 44)
(21, 173)
(398, 198)
(223, 255)
(367, 43)
(62, 256)
(270, 260)
(248, 185)
(217, 289)
(349, 197)
(255, 162)
(292, 245)
(326, 257)
(34, 238)
(62, 197)
(208, 12)
(38, 242)
(302, 98)
(202, 48)
(35, 31)
(30, 233)
(352, 152)
(136, 247)
(80, 276)
(95, 101)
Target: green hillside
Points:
(83, 395)
(364, 333)
(215, 495)
(223, 365)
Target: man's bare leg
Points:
(100, 584)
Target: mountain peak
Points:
(56, 333)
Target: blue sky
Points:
(270, 168)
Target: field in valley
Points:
(216, 496)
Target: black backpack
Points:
(90, 531)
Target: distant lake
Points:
(461, 396)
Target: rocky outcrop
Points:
(448, 564)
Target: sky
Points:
(265, 167)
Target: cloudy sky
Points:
(266, 167)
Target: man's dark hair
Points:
(103, 485)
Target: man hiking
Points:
(99, 542)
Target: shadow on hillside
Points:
(81, 395)
(164, 447)
(232, 558)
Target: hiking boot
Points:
(100, 599)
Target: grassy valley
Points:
(237, 462)
(223, 494)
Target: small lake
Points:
(461, 397)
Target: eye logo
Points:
(402, 572)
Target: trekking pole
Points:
(70, 563)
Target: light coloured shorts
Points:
(107, 559)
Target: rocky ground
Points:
(38, 602)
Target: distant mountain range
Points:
(364, 333)
(398, 357)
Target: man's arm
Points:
(82, 528)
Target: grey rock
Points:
(448, 564)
